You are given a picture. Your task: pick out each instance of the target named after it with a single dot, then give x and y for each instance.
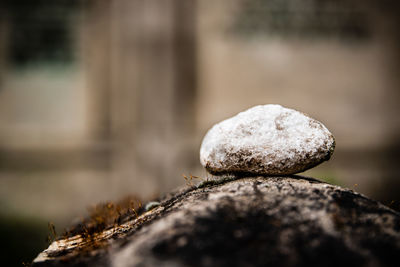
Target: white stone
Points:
(266, 140)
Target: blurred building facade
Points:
(104, 98)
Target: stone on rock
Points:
(266, 140)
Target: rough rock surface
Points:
(255, 221)
(266, 140)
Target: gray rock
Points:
(266, 140)
(255, 221)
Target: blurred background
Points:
(104, 98)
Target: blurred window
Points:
(40, 31)
(339, 19)
(43, 98)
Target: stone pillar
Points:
(154, 85)
(96, 39)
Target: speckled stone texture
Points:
(254, 221)
(266, 140)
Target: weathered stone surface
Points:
(266, 140)
(255, 221)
